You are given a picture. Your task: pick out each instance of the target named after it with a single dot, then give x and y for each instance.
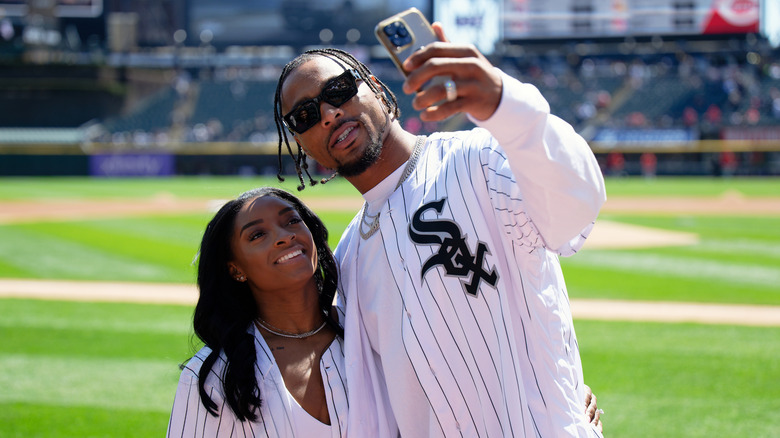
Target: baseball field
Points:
(676, 299)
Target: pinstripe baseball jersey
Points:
(458, 320)
(278, 411)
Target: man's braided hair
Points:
(340, 56)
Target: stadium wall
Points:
(72, 160)
(704, 157)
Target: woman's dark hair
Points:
(340, 56)
(226, 307)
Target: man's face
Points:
(348, 137)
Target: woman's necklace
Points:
(286, 334)
(373, 226)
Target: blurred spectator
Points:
(603, 99)
(752, 116)
(690, 117)
(649, 164)
(728, 163)
(713, 115)
(616, 164)
(636, 119)
(6, 29)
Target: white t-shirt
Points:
(305, 424)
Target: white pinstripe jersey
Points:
(190, 419)
(458, 320)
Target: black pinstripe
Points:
(470, 306)
(415, 332)
(502, 321)
(447, 329)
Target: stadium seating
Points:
(617, 91)
(151, 114)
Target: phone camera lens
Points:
(398, 34)
(392, 28)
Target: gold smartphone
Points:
(404, 33)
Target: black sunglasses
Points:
(336, 92)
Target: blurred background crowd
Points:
(189, 75)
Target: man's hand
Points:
(591, 410)
(477, 82)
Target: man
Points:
(457, 316)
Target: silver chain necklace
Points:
(285, 334)
(373, 226)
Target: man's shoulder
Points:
(346, 237)
(443, 136)
(474, 139)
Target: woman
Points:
(267, 279)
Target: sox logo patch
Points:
(454, 254)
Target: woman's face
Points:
(272, 246)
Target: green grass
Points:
(151, 249)
(683, 380)
(89, 369)
(220, 187)
(737, 260)
(58, 188)
(109, 369)
(693, 186)
(38, 420)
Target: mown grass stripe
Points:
(129, 318)
(181, 231)
(122, 241)
(43, 255)
(748, 247)
(683, 380)
(208, 187)
(116, 325)
(99, 383)
(26, 420)
(681, 267)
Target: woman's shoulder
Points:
(191, 369)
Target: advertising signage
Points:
(534, 19)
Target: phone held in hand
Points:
(403, 34)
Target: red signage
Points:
(732, 16)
